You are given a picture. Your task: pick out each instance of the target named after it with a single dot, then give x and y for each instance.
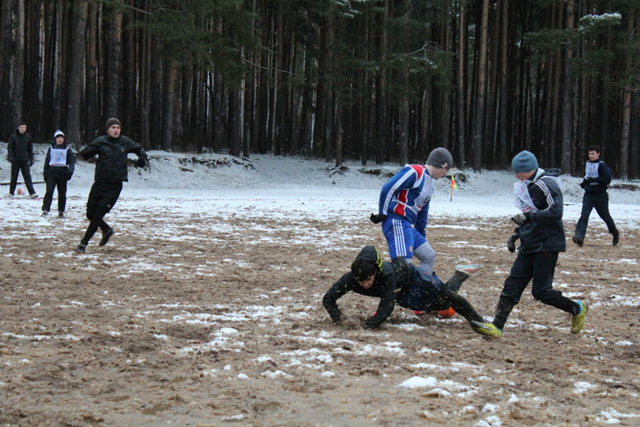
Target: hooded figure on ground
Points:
(401, 283)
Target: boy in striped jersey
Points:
(403, 208)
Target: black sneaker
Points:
(80, 248)
(578, 241)
(106, 236)
(616, 237)
(45, 213)
(60, 214)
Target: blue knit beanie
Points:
(524, 161)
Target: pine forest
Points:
(371, 80)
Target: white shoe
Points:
(468, 269)
(33, 196)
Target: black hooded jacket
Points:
(543, 231)
(20, 147)
(384, 287)
(111, 166)
(56, 171)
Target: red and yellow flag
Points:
(453, 183)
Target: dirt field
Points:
(202, 320)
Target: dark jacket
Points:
(111, 166)
(54, 171)
(384, 287)
(20, 147)
(599, 183)
(543, 231)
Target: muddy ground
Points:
(198, 319)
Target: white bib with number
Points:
(58, 157)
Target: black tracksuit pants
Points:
(599, 201)
(53, 182)
(16, 167)
(102, 198)
(540, 267)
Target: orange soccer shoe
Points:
(449, 312)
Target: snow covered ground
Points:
(206, 306)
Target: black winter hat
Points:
(441, 158)
(112, 121)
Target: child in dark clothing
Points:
(58, 169)
(399, 282)
(541, 234)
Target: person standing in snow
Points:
(111, 171)
(403, 208)
(402, 283)
(541, 234)
(596, 179)
(20, 154)
(58, 169)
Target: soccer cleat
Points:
(468, 269)
(106, 236)
(488, 329)
(449, 312)
(81, 248)
(577, 321)
(577, 240)
(616, 237)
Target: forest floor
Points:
(208, 319)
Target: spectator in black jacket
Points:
(111, 171)
(596, 179)
(58, 169)
(541, 234)
(399, 282)
(20, 154)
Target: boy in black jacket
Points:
(402, 283)
(58, 169)
(596, 179)
(541, 235)
(111, 171)
(20, 154)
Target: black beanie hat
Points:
(113, 121)
(441, 158)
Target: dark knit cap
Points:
(524, 161)
(441, 158)
(113, 121)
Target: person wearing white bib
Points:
(58, 169)
(541, 234)
(596, 179)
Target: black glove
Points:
(369, 325)
(377, 218)
(511, 243)
(520, 218)
(30, 163)
(142, 162)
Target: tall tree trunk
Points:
(381, 88)
(504, 88)
(18, 65)
(33, 67)
(478, 131)
(567, 97)
(6, 56)
(76, 82)
(91, 96)
(170, 76)
(626, 108)
(403, 155)
(460, 104)
(115, 54)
